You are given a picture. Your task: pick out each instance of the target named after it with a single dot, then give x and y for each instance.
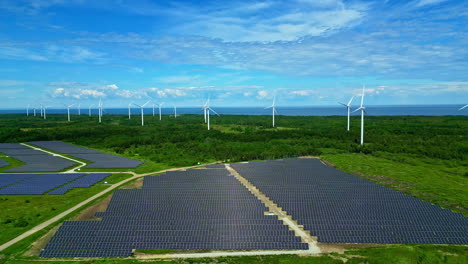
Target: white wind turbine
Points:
(159, 106)
(68, 111)
(45, 112)
(348, 107)
(129, 110)
(89, 109)
(463, 107)
(142, 115)
(175, 111)
(273, 110)
(363, 110)
(34, 111)
(79, 109)
(27, 110)
(42, 107)
(207, 109)
(100, 110)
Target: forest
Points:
(185, 140)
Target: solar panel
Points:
(9, 179)
(41, 163)
(39, 184)
(3, 163)
(99, 160)
(193, 209)
(83, 182)
(341, 208)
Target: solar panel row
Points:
(3, 163)
(83, 182)
(342, 208)
(39, 183)
(9, 179)
(98, 159)
(35, 184)
(35, 160)
(194, 209)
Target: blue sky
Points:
(238, 53)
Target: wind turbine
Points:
(207, 109)
(463, 107)
(159, 106)
(100, 110)
(141, 109)
(348, 107)
(175, 111)
(129, 110)
(68, 111)
(79, 109)
(27, 110)
(273, 110)
(34, 111)
(89, 112)
(363, 110)
(45, 112)
(42, 107)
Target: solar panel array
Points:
(193, 209)
(99, 160)
(39, 183)
(83, 182)
(61, 147)
(341, 208)
(35, 160)
(3, 163)
(8, 179)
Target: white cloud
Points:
(420, 3)
(302, 92)
(262, 94)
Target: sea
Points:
(372, 110)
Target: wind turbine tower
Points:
(175, 111)
(273, 110)
(363, 110)
(207, 110)
(159, 106)
(79, 109)
(68, 111)
(348, 107)
(100, 111)
(142, 114)
(89, 109)
(129, 110)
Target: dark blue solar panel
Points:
(83, 182)
(341, 208)
(8, 179)
(98, 159)
(3, 163)
(193, 209)
(40, 184)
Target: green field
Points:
(426, 157)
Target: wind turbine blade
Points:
(274, 100)
(268, 107)
(463, 107)
(342, 104)
(137, 105)
(350, 100)
(145, 104)
(276, 112)
(209, 108)
(362, 97)
(357, 110)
